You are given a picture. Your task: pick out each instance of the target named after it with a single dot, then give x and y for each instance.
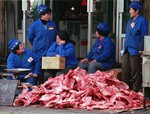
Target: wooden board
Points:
(117, 73)
(7, 91)
(53, 63)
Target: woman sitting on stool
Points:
(63, 47)
(102, 54)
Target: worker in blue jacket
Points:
(136, 29)
(21, 57)
(42, 32)
(63, 47)
(102, 55)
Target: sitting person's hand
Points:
(85, 60)
(93, 61)
(28, 76)
(57, 55)
(62, 42)
(34, 75)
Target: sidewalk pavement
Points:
(36, 109)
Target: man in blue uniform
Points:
(136, 29)
(102, 54)
(42, 32)
(21, 57)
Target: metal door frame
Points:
(119, 35)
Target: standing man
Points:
(21, 57)
(42, 32)
(136, 29)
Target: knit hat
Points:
(136, 5)
(13, 43)
(103, 27)
(42, 8)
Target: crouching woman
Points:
(25, 58)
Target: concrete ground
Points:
(35, 109)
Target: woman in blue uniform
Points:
(136, 29)
(42, 32)
(102, 54)
(63, 47)
(21, 57)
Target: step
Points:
(117, 73)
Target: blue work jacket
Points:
(29, 61)
(67, 51)
(41, 37)
(103, 52)
(134, 40)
